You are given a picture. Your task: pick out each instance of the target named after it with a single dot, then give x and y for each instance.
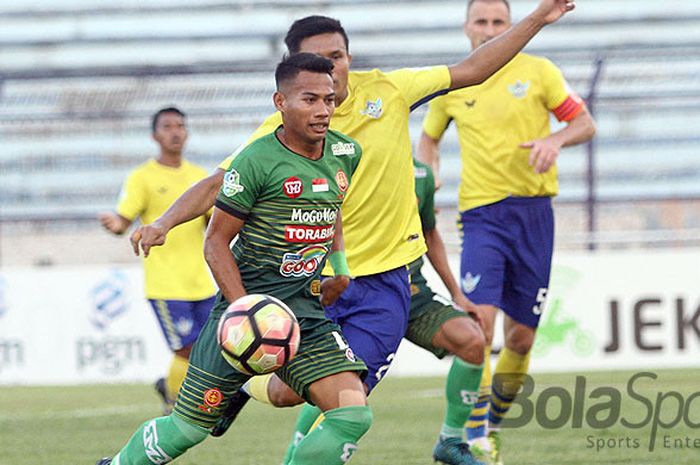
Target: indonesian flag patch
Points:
(319, 185)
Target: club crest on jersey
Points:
(519, 89)
(373, 109)
(232, 184)
(304, 262)
(342, 148)
(341, 180)
(292, 187)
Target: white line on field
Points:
(81, 413)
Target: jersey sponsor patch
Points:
(341, 180)
(319, 185)
(373, 109)
(341, 148)
(419, 172)
(304, 262)
(325, 215)
(292, 187)
(308, 234)
(232, 184)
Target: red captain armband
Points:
(569, 109)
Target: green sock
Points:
(462, 392)
(306, 419)
(335, 439)
(160, 441)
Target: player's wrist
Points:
(339, 263)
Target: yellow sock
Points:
(508, 379)
(256, 387)
(476, 426)
(176, 375)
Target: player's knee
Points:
(282, 395)
(520, 342)
(467, 341)
(355, 420)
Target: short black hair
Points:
(471, 2)
(291, 65)
(162, 111)
(312, 26)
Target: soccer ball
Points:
(258, 334)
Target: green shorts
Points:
(425, 321)
(211, 381)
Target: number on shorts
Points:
(541, 301)
(339, 340)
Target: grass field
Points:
(77, 425)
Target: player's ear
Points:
(349, 59)
(278, 99)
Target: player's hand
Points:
(331, 288)
(147, 236)
(110, 221)
(543, 154)
(550, 11)
(468, 306)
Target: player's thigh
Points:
(426, 324)
(483, 255)
(374, 316)
(323, 352)
(210, 381)
(177, 322)
(529, 267)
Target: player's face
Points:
(307, 104)
(171, 132)
(485, 21)
(332, 46)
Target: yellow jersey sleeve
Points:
(133, 197)
(559, 98)
(436, 119)
(416, 84)
(271, 123)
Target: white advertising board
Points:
(607, 310)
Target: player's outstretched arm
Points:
(195, 202)
(428, 152)
(544, 152)
(113, 222)
(223, 228)
(483, 62)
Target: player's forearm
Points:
(224, 268)
(195, 202)
(437, 255)
(429, 152)
(579, 130)
(483, 62)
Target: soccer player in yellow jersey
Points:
(508, 179)
(381, 224)
(177, 281)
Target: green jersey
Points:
(289, 204)
(425, 192)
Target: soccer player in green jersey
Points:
(281, 197)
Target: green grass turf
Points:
(78, 424)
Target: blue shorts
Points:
(507, 255)
(181, 320)
(373, 315)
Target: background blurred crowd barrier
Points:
(79, 81)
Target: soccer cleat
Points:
(104, 461)
(481, 448)
(495, 443)
(452, 451)
(162, 391)
(235, 405)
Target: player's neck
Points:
(171, 159)
(307, 149)
(340, 96)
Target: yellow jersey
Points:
(177, 270)
(494, 118)
(381, 226)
